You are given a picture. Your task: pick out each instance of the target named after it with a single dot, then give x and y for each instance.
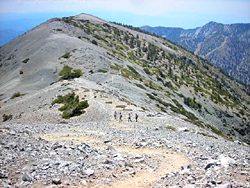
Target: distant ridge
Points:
(227, 46)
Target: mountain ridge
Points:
(62, 83)
(225, 46)
(168, 78)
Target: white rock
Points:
(183, 129)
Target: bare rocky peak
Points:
(89, 17)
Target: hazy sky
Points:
(172, 13)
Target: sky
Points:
(169, 13)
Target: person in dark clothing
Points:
(115, 114)
(129, 118)
(120, 117)
(136, 117)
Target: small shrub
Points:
(103, 71)
(109, 102)
(155, 94)
(170, 128)
(140, 86)
(151, 96)
(192, 103)
(216, 131)
(6, 117)
(120, 106)
(72, 106)
(67, 74)
(58, 29)
(17, 94)
(207, 135)
(94, 42)
(133, 70)
(66, 55)
(21, 72)
(26, 60)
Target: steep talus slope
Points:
(225, 46)
(147, 71)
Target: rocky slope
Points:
(152, 72)
(188, 110)
(225, 46)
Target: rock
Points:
(106, 141)
(108, 162)
(210, 164)
(88, 172)
(3, 174)
(138, 156)
(56, 181)
(111, 148)
(186, 166)
(26, 177)
(244, 173)
(226, 161)
(139, 160)
(183, 129)
(84, 183)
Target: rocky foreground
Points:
(112, 154)
(40, 149)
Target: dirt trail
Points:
(167, 162)
(157, 162)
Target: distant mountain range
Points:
(225, 46)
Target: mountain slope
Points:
(148, 72)
(225, 46)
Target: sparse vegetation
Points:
(147, 71)
(216, 131)
(26, 60)
(133, 70)
(102, 71)
(94, 42)
(66, 73)
(140, 86)
(20, 72)
(170, 128)
(72, 106)
(207, 135)
(17, 94)
(192, 103)
(120, 106)
(7, 117)
(66, 55)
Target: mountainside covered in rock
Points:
(147, 71)
(62, 82)
(225, 46)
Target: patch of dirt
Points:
(76, 138)
(167, 160)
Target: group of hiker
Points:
(129, 116)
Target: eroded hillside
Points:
(151, 72)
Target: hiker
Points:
(129, 117)
(120, 119)
(136, 117)
(115, 114)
